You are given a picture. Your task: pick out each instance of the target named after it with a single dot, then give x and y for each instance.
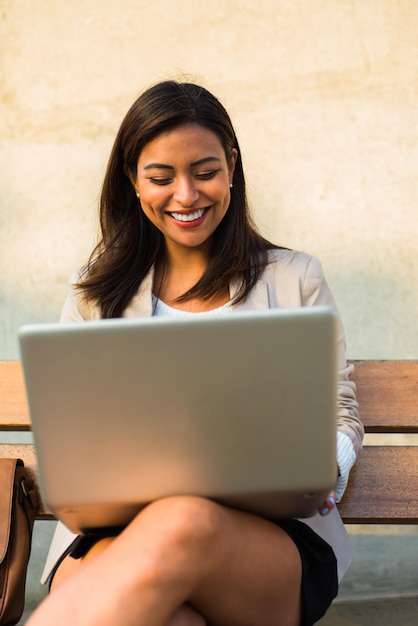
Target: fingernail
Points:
(332, 500)
(324, 510)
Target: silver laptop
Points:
(239, 408)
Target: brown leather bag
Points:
(18, 506)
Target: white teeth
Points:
(182, 217)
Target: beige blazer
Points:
(291, 279)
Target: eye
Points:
(159, 180)
(207, 175)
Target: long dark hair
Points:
(130, 243)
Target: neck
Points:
(185, 259)
(178, 271)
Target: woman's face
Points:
(183, 180)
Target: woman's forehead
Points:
(190, 140)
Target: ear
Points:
(132, 178)
(231, 163)
(134, 185)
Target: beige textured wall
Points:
(324, 96)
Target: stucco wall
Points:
(324, 97)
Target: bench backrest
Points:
(383, 485)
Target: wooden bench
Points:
(383, 485)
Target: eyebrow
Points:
(162, 166)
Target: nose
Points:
(185, 192)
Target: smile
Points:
(188, 217)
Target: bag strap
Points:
(7, 476)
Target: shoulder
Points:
(294, 263)
(293, 278)
(76, 306)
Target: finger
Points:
(328, 505)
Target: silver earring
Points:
(230, 185)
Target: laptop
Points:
(239, 408)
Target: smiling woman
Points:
(177, 150)
(178, 239)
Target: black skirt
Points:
(319, 566)
(319, 570)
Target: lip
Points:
(189, 224)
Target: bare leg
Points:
(231, 567)
(183, 616)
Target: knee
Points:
(186, 523)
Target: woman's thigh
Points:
(238, 569)
(256, 577)
(70, 566)
(185, 615)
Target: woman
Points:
(177, 239)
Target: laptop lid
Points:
(240, 408)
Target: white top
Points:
(160, 308)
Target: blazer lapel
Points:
(141, 305)
(258, 298)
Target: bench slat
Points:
(383, 487)
(387, 392)
(14, 411)
(372, 496)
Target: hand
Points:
(328, 505)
